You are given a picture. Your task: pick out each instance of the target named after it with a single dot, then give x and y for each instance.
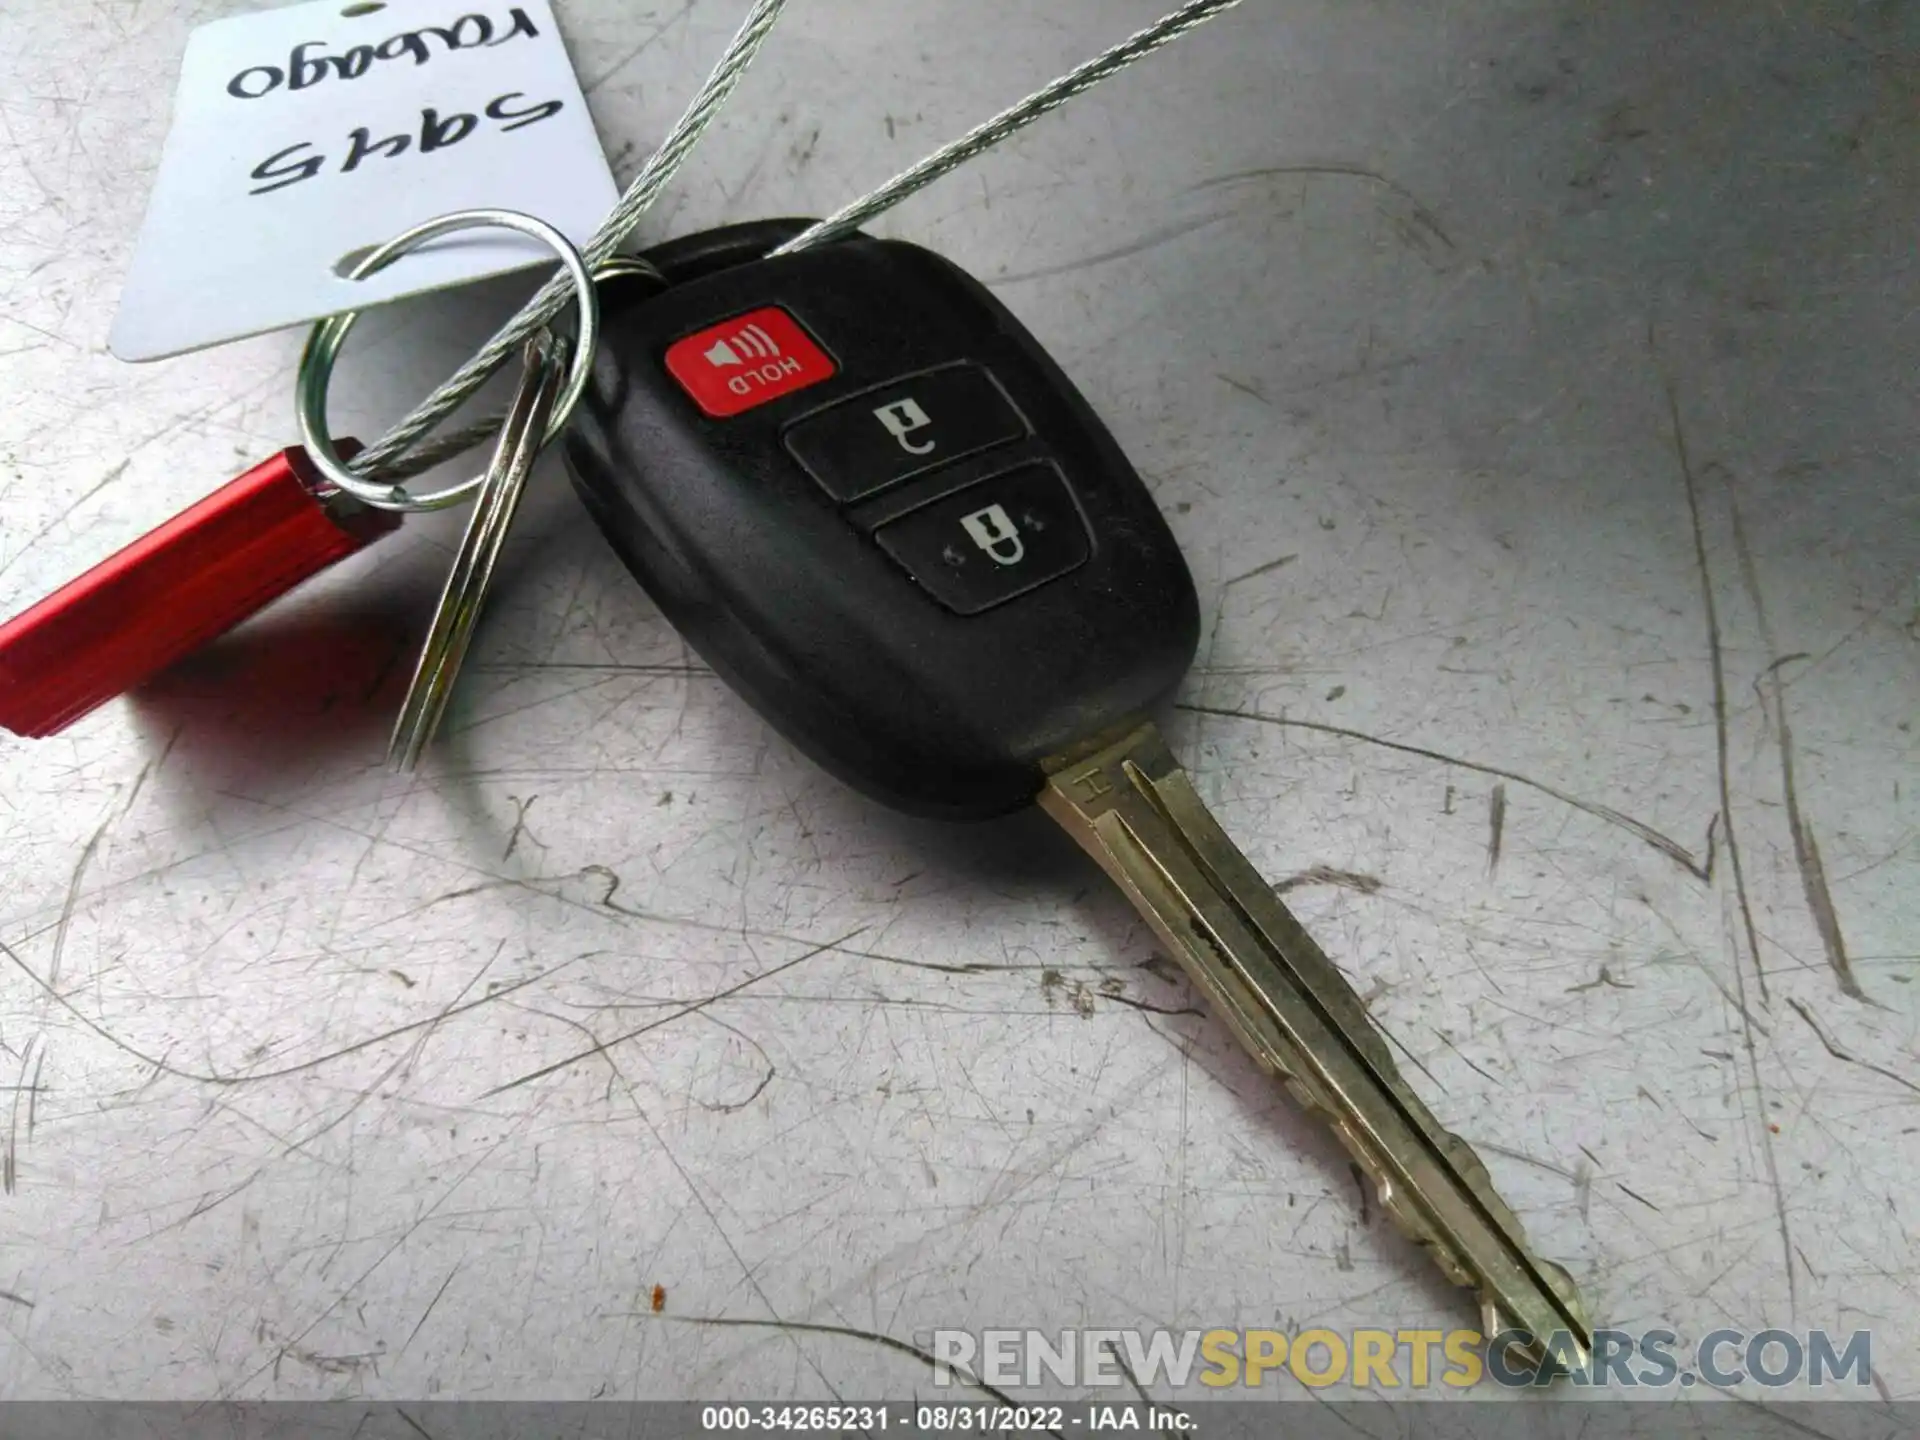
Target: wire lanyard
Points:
(401, 451)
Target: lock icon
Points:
(994, 532)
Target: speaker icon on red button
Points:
(746, 361)
(751, 344)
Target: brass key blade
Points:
(1132, 808)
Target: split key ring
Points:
(323, 349)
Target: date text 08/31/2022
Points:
(960, 1419)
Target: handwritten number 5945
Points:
(437, 132)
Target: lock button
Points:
(882, 436)
(998, 538)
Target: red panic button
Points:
(747, 361)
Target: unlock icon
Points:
(902, 418)
(994, 532)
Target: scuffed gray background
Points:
(1533, 389)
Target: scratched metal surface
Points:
(1532, 389)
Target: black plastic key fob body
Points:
(870, 500)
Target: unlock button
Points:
(878, 438)
(994, 540)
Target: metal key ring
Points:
(323, 349)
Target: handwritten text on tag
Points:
(303, 135)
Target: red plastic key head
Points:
(174, 589)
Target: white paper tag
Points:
(301, 136)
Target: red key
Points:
(176, 588)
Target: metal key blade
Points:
(522, 433)
(1130, 805)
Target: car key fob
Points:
(862, 491)
(874, 504)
